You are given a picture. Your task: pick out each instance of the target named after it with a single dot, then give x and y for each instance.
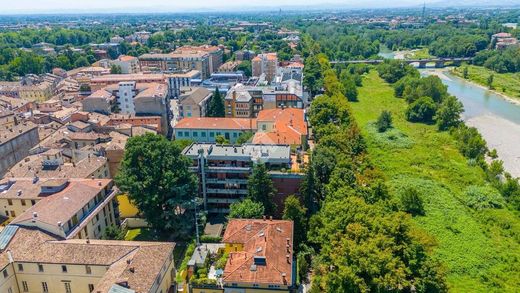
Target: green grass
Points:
(480, 249)
(419, 54)
(506, 83)
(141, 234)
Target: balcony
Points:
(222, 200)
(226, 181)
(90, 214)
(227, 191)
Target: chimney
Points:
(34, 216)
(287, 246)
(132, 270)
(270, 218)
(288, 241)
(263, 217)
(88, 240)
(10, 256)
(288, 257)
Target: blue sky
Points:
(179, 5)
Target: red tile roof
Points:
(269, 239)
(289, 126)
(217, 123)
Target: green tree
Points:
(244, 137)
(448, 114)
(115, 69)
(465, 73)
(155, 175)
(246, 209)
(220, 139)
(114, 233)
(260, 188)
(422, 110)
(489, 81)
(245, 66)
(411, 202)
(81, 62)
(295, 211)
(216, 106)
(384, 121)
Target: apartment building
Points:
(53, 164)
(178, 61)
(7, 118)
(265, 64)
(193, 102)
(207, 129)
(281, 126)
(128, 64)
(260, 258)
(176, 81)
(100, 82)
(216, 55)
(16, 105)
(100, 101)
(15, 143)
(223, 170)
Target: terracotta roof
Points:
(61, 206)
(138, 263)
(289, 126)
(216, 123)
(100, 94)
(271, 240)
(126, 58)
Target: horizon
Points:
(24, 7)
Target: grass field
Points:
(506, 83)
(422, 53)
(479, 249)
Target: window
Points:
(13, 214)
(90, 287)
(195, 134)
(10, 290)
(45, 288)
(203, 134)
(186, 133)
(67, 287)
(88, 270)
(6, 274)
(63, 269)
(40, 268)
(33, 202)
(20, 267)
(180, 133)
(10, 202)
(23, 202)
(211, 134)
(25, 287)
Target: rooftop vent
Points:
(253, 268)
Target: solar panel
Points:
(6, 235)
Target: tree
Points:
(114, 233)
(422, 110)
(216, 106)
(296, 212)
(244, 137)
(155, 175)
(260, 188)
(246, 209)
(81, 62)
(245, 66)
(465, 73)
(220, 139)
(384, 121)
(448, 114)
(490, 81)
(115, 69)
(411, 202)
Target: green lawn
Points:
(422, 53)
(480, 250)
(506, 83)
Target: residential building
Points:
(9, 89)
(176, 81)
(7, 118)
(223, 170)
(281, 126)
(54, 164)
(17, 105)
(15, 143)
(38, 93)
(33, 259)
(193, 102)
(216, 55)
(207, 129)
(178, 61)
(239, 103)
(265, 64)
(128, 64)
(244, 55)
(100, 82)
(153, 123)
(100, 101)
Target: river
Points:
(497, 119)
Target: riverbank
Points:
(502, 135)
(506, 85)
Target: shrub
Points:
(210, 239)
(421, 110)
(482, 197)
(412, 202)
(384, 121)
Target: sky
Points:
(110, 6)
(34, 6)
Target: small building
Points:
(207, 129)
(193, 102)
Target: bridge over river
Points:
(439, 62)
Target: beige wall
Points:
(14, 205)
(8, 282)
